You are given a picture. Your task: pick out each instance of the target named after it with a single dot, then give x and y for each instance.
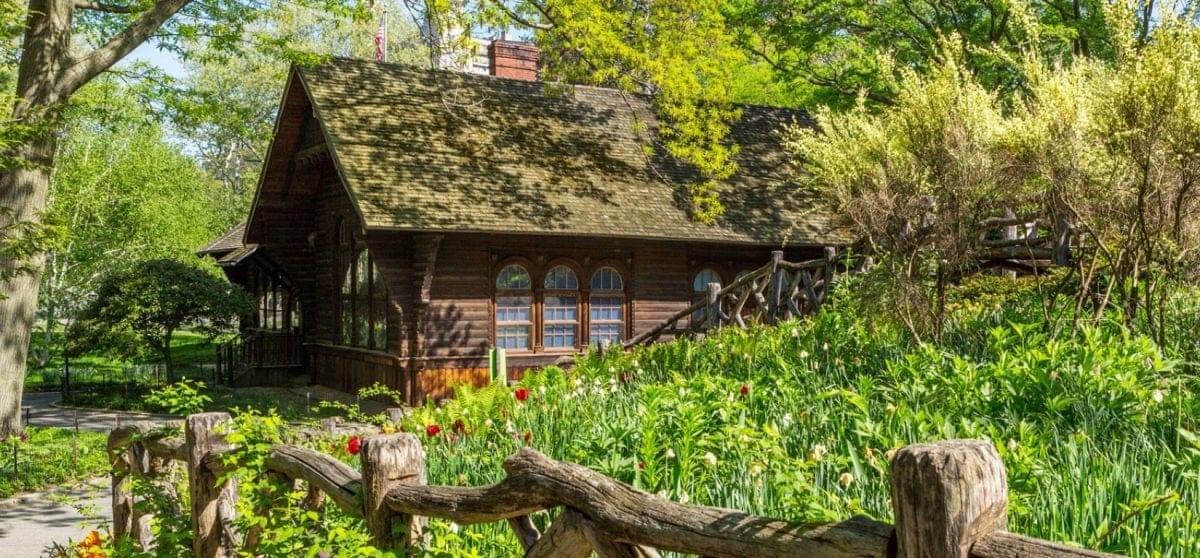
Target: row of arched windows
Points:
(559, 315)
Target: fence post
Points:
(212, 503)
(122, 491)
(946, 496)
(774, 287)
(387, 461)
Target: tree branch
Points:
(102, 7)
(519, 19)
(102, 58)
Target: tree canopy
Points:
(139, 309)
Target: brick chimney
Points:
(513, 60)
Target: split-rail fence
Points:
(949, 499)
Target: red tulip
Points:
(521, 394)
(432, 430)
(745, 390)
(528, 437)
(626, 377)
(460, 427)
(641, 465)
(354, 445)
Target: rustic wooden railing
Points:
(779, 290)
(949, 500)
(258, 349)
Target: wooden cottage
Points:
(410, 220)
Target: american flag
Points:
(381, 41)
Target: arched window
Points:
(363, 297)
(514, 308)
(700, 292)
(560, 309)
(607, 302)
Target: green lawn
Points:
(189, 351)
(51, 457)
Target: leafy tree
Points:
(121, 194)
(51, 69)
(140, 309)
(1104, 153)
(848, 48)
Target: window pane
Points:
(562, 278)
(562, 309)
(347, 325)
(513, 277)
(560, 335)
(364, 270)
(706, 276)
(606, 279)
(380, 331)
(512, 336)
(348, 277)
(605, 332)
(607, 308)
(513, 309)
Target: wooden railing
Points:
(259, 349)
(949, 500)
(779, 290)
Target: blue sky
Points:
(166, 61)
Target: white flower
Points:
(574, 382)
(542, 390)
(746, 355)
(661, 494)
(508, 427)
(756, 470)
(1157, 396)
(816, 452)
(1012, 445)
(612, 369)
(466, 411)
(683, 498)
(635, 364)
(825, 346)
(710, 459)
(613, 388)
(453, 526)
(787, 420)
(795, 332)
(803, 355)
(845, 479)
(891, 409)
(488, 423)
(670, 453)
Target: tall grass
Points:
(1092, 425)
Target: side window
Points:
(514, 308)
(607, 302)
(560, 312)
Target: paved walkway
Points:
(42, 413)
(30, 524)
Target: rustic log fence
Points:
(779, 290)
(949, 499)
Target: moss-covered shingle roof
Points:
(435, 150)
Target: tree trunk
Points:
(47, 76)
(166, 353)
(23, 191)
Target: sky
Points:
(166, 61)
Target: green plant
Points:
(181, 398)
